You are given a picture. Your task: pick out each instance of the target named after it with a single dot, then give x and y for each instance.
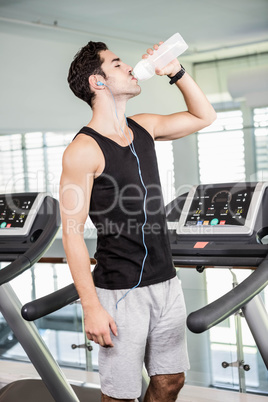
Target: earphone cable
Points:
(132, 148)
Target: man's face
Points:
(119, 77)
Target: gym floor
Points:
(12, 371)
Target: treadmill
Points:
(225, 225)
(29, 223)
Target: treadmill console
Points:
(18, 212)
(221, 209)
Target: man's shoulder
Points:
(83, 150)
(146, 120)
(141, 119)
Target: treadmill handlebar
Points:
(197, 321)
(48, 304)
(217, 311)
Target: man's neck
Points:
(108, 119)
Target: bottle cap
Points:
(143, 70)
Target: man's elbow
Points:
(212, 116)
(209, 118)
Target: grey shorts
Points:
(151, 326)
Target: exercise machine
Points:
(226, 225)
(28, 225)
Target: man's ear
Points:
(95, 83)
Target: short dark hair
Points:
(86, 62)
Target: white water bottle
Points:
(168, 51)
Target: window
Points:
(225, 337)
(221, 149)
(164, 153)
(11, 162)
(32, 161)
(260, 116)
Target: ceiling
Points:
(212, 28)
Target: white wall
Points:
(33, 80)
(235, 79)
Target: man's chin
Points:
(137, 91)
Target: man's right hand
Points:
(98, 326)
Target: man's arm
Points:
(199, 112)
(79, 165)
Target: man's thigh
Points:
(166, 350)
(120, 367)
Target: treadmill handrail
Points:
(48, 304)
(197, 321)
(217, 311)
(217, 261)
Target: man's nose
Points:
(129, 69)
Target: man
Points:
(110, 172)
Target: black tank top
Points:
(116, 209)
